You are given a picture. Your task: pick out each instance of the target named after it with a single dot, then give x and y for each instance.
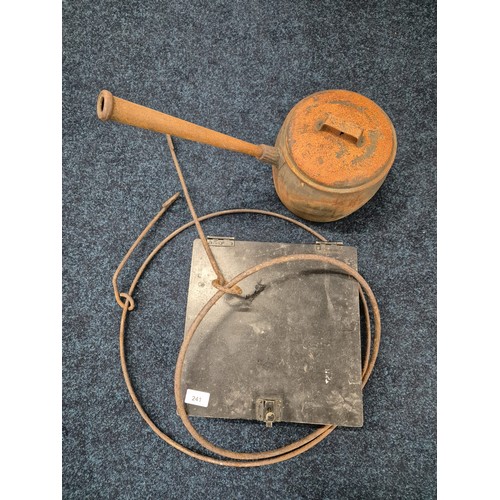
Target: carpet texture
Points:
(239, 67)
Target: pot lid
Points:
(339, 139)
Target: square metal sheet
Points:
(295, 339)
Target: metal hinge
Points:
(220, 241)
(324, 246)
(269, 410)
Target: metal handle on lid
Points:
(347, 130)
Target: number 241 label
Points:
(198, 398)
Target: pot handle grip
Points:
(119, 110)
(347, 130)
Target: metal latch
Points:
(220, 241)
(269, 410)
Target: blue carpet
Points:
(239, 67)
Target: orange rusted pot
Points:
(336, 148)
(332, 153)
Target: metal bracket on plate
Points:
(220, 241)
(324, 246)
(269, 410)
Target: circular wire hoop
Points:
(238, 459)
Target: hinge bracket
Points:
(220, 241)
(324, 246)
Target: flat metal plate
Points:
(296, 338)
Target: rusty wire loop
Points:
(129, 301)
(236, 459)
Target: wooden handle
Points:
(119, 110)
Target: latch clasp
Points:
(269, 410)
